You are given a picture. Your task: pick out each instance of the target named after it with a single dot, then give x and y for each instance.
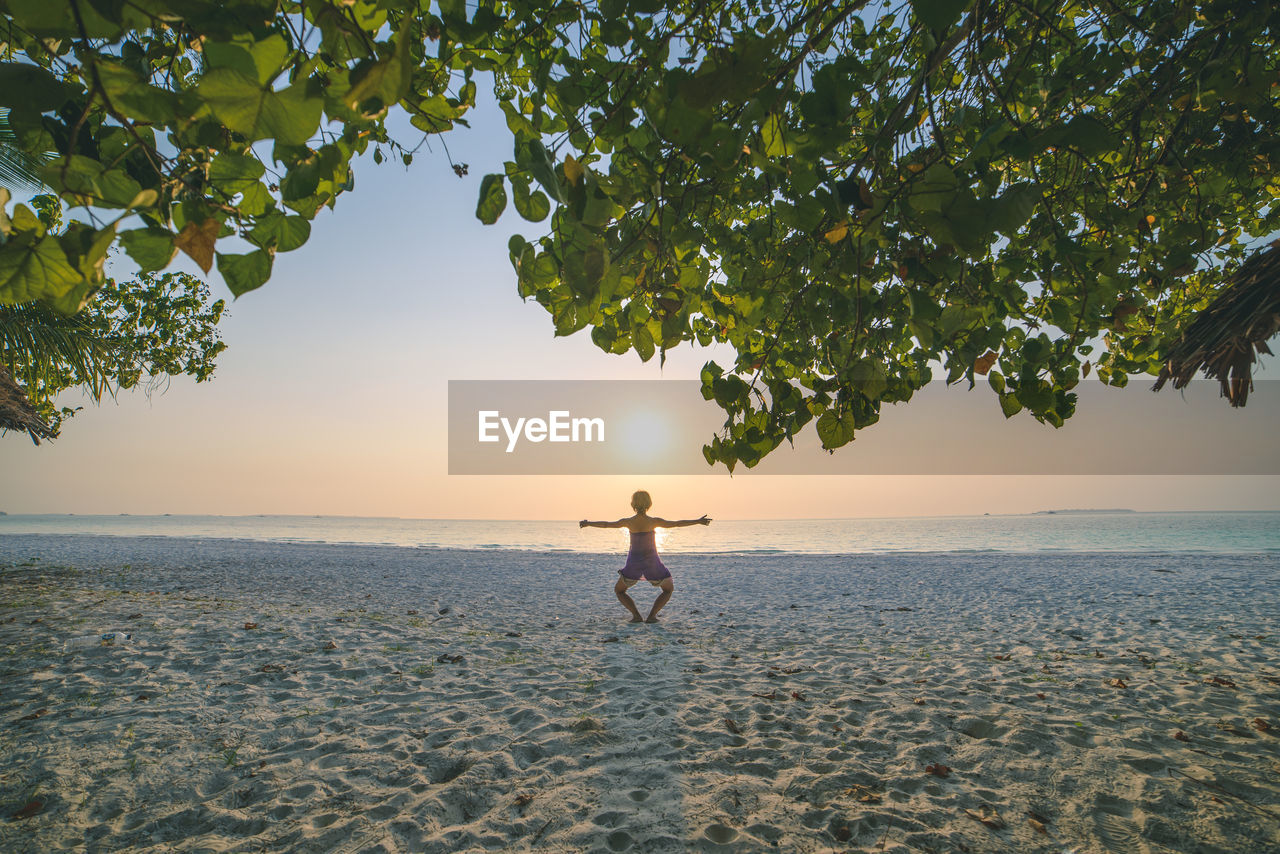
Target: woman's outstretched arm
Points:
(682, 523)
(621, 523)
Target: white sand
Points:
(785, 703)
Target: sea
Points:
(1056, 531)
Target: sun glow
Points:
(660, 538)
(645, 435)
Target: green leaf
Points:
(279, 231)
(85, 248)
(585, 266)
(642, 341)
(493, 199)
(24, 86)
(1009, 405)
(269, 56)
(519, 125)
(533, 206)
(453, 11)
(387, 80)
(1014, 207)
(1090, 136)
(1036, 396)
(83, 181)
(834, 430)
(74, 299)
(150, 248)
(232, 56)
(301, 181)
(970, 223)
(933, 189)
(133, 96)
(435, 114)
(34, 269)
(533, 156)
(244, 273)
(598, 210)
(570, 315)
(774, 136)
(235, 173)
(939, 15)
(595, 263)
(256, 200)
(289, 116)
(55, 19)
(236, 99)
(869, 378)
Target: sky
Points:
(331, 396)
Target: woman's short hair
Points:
(640, 501)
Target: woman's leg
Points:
(620, 589)
(667, 587)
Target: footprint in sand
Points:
(720, 834)
(638, 795)
(609, 819)
(214, 785)
(1118, 832)
(1147, 764)
(1120, 835)
(446, 771)
(300, 792)
(619, 840)
(113, 809)
(333, 760)
(978, 728)
(523, 718)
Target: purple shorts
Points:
(643, 561)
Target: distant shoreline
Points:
(972, 515)
(1082, 512)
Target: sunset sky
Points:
(331, 396)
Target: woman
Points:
(642, 559)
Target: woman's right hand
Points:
(705, 520)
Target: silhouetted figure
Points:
(642, 559)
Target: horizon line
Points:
(1045, 512)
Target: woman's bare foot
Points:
(636, 619)
(652, 620)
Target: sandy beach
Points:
(289, 697)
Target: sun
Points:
(644, 436)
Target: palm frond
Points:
(38, 345)
(17, 168)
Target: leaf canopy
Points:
(850, 197)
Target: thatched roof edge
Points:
(1226, 337)
(16, 411)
